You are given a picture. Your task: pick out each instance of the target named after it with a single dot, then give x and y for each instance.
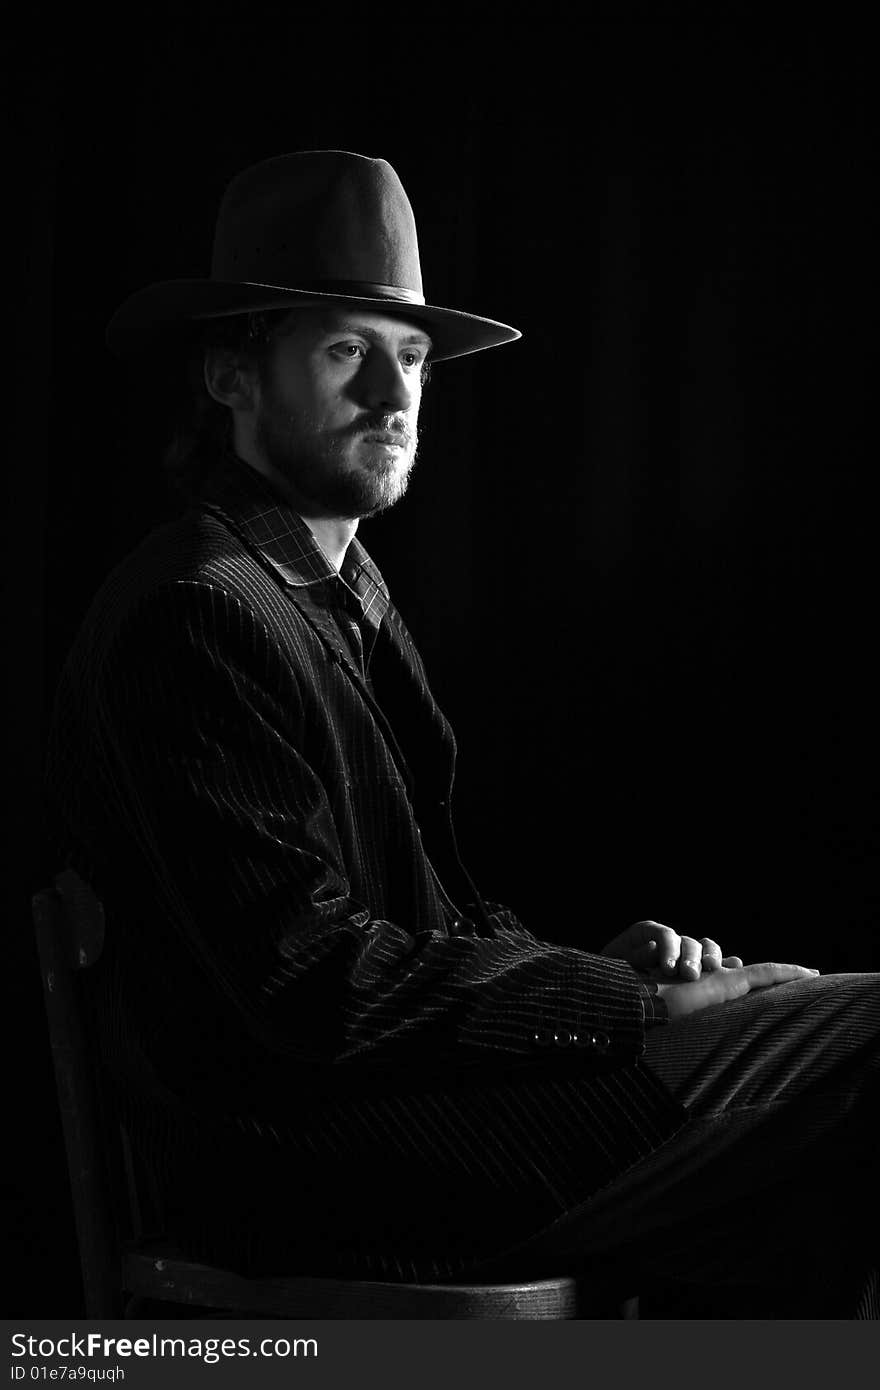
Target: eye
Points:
(411, 357)
(349, 352)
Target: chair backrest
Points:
(69, 925)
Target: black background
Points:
(638, 551)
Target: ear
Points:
(229, 380)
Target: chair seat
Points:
(69, 926)
(166, 1275)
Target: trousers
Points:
(765, 1204)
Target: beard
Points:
(335, 472)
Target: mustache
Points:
(378, 423)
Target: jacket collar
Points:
(270, 525)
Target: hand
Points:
(660, 952)
(722, 984)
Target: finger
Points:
(644, 957)
(690, 959)
(772, 973)
(711, 954)
(669, 959)
(732, 962)
(665, 943)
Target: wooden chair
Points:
(123, 1273)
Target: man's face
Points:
(336, 409)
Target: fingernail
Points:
(670, 963)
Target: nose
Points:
(386, 386)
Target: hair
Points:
(201, 428)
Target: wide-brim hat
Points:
(307, 228)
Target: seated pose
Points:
(332, 1053)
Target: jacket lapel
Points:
(326, 629)
(281, 542)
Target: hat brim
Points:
(146, 314)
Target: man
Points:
(331, 1052)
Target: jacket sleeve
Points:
(198, 772)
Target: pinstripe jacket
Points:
(301, 988)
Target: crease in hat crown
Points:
(344, 218)
(315, 225)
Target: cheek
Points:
(293, 386)
(326, 395)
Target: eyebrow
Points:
(375, 336)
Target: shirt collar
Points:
(283, 538)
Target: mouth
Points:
(388, 438)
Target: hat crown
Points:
(317, 226)
(318, 218)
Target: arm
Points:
(202, 750)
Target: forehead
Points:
(316, 322)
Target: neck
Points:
(333, 534)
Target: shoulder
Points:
(192, 586)
(178, 564)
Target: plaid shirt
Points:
(356, 596)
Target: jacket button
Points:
(601, 1041)
(562, 1037)
(542, 1037)
(581, 1039)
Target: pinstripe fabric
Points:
(765, 1203)
(311, 1017)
